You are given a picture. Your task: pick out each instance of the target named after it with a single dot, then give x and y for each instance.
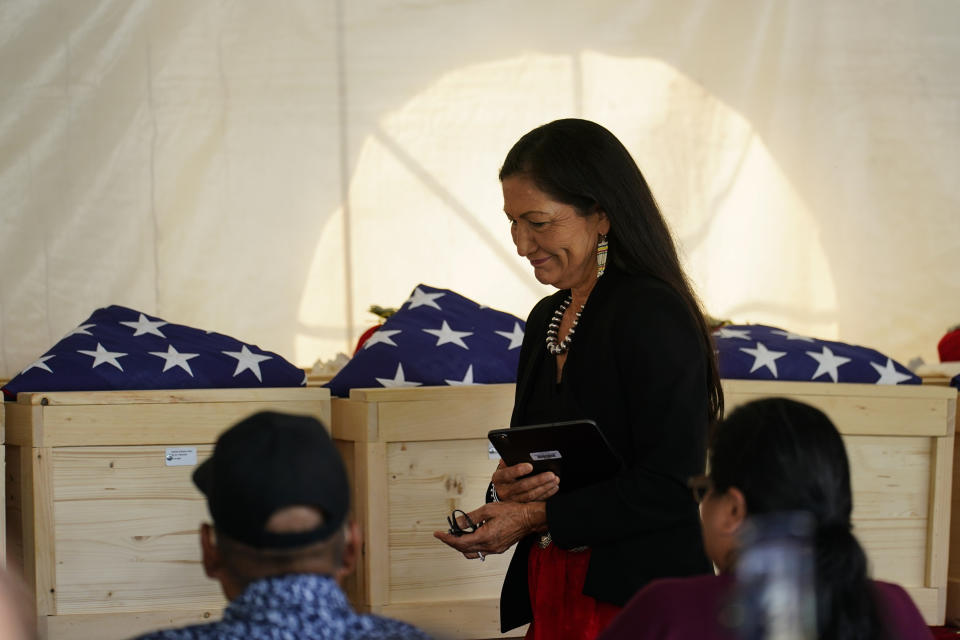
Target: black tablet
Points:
(576, 451)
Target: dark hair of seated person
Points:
(784, 455)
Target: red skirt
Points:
(560, 610)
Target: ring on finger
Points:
(480, 555)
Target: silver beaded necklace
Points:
(553, 346)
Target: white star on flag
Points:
(763, 357)
(741, 334)
(382, 336)
(827, 363)
(515, 337)
(39, 364)
(81, 331)
(144, 326)
(445, 334)
(420, 298)
(246, 359)
(794, 336)
(398, 380)
(101, 355)
(467, 379)
(173, 358)
(889, 373)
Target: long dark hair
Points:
(785, 455)
(582, 164)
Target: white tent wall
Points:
(269, 170)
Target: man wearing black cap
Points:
(280, 542)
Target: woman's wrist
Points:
(536, 516)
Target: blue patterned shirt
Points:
(293, 607)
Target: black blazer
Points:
(637, 366)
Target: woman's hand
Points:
(504, 523)
(510, 488)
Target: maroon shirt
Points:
(690, 608)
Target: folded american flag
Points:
(760, 352)
(120, 348)
(438, 337)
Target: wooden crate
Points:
(900, 441)
(413, 456)
(105, 530)
(416, 454)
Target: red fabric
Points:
(949, 347)
(366, 336)
(560, 610)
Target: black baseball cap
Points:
(267, 462)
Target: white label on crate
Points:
(181, 456)
(492, 452)
(545, 455)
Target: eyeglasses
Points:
(456, 529)
(700, 486)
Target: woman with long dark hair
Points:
(774, 458)
(624, 343)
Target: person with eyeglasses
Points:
(771, 461)
(623, 342)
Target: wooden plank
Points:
(467, 619)
(846, 390)
(889, 476)
(24, 424)
(890, 480)
(469, 394)
(371, 492)
(127, 532)
(39, 560)
(354, 420)
(896, 549)
(119, 626)
(173, 396)
(938, 535)
(140, 558)
(859, 409)
(421, 571)
(137, 424)
(449, 419)
(131, 473)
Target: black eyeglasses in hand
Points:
(456, 529)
